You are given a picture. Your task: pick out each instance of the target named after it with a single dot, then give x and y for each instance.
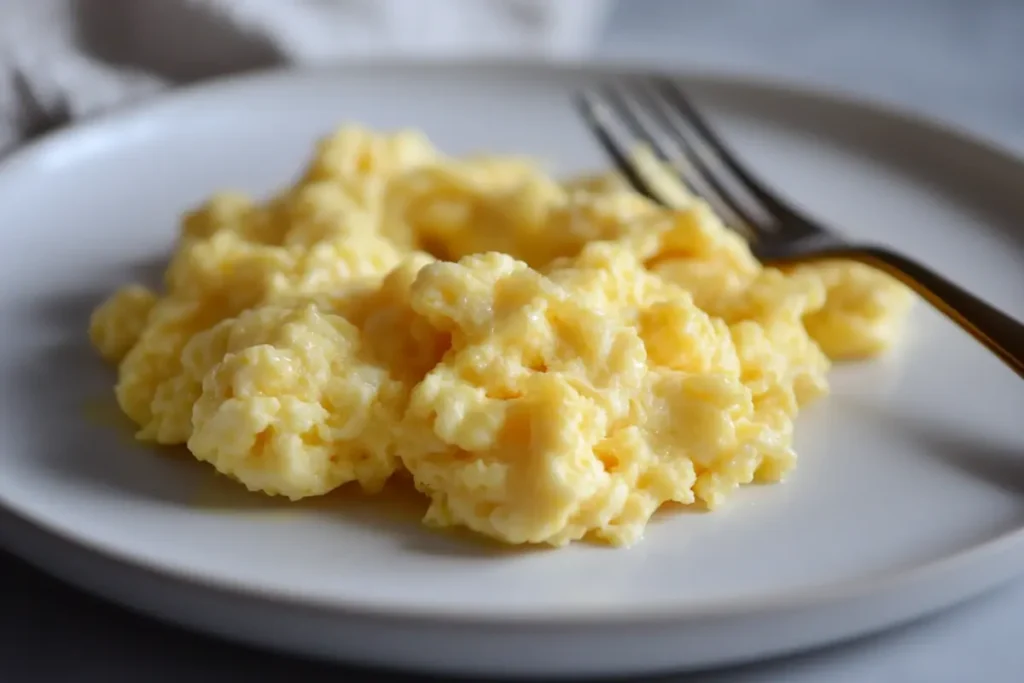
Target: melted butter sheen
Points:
(546, 361)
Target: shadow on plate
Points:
(67, 406)
(1001, 465)
(994, 462)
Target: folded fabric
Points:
(63, 59)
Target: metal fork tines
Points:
(654, 113)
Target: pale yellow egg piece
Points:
(116, 325)
(293, 405)
(864, 312)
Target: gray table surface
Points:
(956, 60)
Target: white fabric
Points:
(63, 59)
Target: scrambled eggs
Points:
(548, 360)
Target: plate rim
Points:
(730, 78)
(824, 596)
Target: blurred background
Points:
(957, 60)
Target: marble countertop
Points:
(954, 60)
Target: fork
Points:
(656, 114)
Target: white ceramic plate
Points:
(909, 496)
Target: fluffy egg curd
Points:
(547, 360)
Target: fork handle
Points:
(1003, 335)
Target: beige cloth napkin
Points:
(64, 59)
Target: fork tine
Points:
(597, 121)
(674, 95)
(684, 158)
(609, 104)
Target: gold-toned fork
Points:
(654, 113)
